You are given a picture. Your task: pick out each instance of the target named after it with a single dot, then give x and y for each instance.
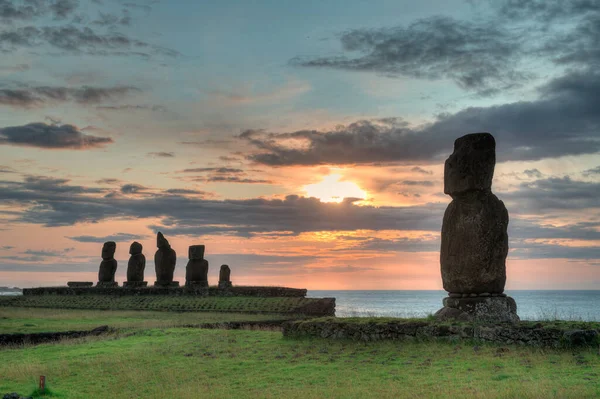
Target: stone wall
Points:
(39, 338)
(533, 334)
(175, 291)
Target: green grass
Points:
(161, 303)
(193, 363)
(33, 320)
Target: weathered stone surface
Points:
(225, 277)
(196, 251)
(136, 264)
(107, 284)
(471, 165)
(492, 309)
(196, 270)
(108, 267)
(446, 314)
(474, 244)
(80, 283)
(164, 260)
(166, 284)
(501, 333)
(135, 284)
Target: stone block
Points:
(107, 284)
(135, 284)
(166, 284)
(489, 309)
(81, 284)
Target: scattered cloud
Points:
(132, 188)
(46, 136)
(119, 237)
(45, 95)
(478, 56)
(161, 154)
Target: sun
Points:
(331, 189)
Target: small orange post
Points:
(42, 383)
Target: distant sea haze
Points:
(531, 305)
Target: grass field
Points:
(193, 363)
(33, 320)
(161, 303)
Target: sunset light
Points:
(331, 189)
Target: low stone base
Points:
(135, 284)
(107, 284)
(488, 309)
(225, 284)
(196, 284)
(81, 284)
(166, 284)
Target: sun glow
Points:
(331, 189)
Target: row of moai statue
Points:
(165, 259)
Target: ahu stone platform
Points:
(252, 291)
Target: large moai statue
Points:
(474, 235)
(164, 263)
(225, 277)
(196, 271)
(108, 266)
(135, 267)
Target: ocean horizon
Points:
(578, 305)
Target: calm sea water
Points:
(531, 305)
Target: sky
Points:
(302, 142)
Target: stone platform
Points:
(134, 284)
(481, 308)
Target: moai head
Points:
(471, 165)
(196, 252)
(108, 250)
(135, 248)
(161, 241)
(224, 273)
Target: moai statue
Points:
(474, 235)
(225, 277)
(196, 271)
(135, 267)
(164, 262)
(108, 267)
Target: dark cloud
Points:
(564, 120)
(119, 237)
(108, 181)
(423, 183)
(132, 188)
(45, 95)
(477, 56)
(50, 185)
(129, 107)
(418, 169)
(555, 193)
(63, 8)
(29, 9)
(7, 169)
(113, 20)
(592, 172)
(235, 179)
(161, 154)
(485, 55)
(42, 135)
(6, 247)
(533, 173)
(78, 40)
(537, 250)
(403, 244)
(214, 170)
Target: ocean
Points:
(531, 305)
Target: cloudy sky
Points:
(302, 142)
